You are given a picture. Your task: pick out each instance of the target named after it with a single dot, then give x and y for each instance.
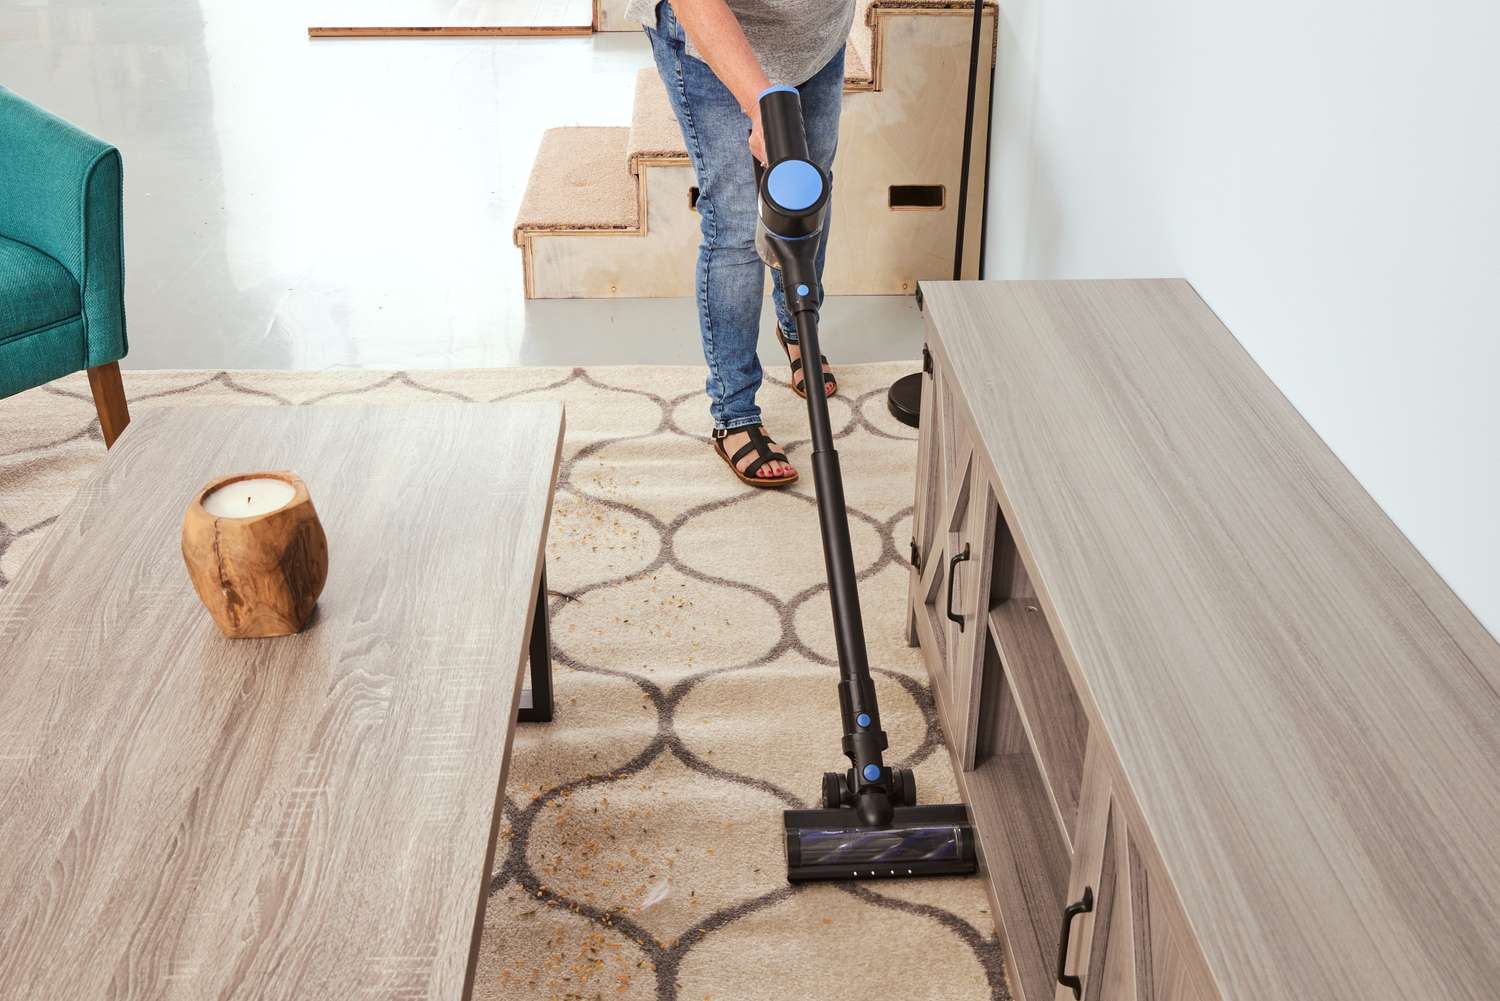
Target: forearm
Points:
(718, 37)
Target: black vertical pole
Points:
(963, 170)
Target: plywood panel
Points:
(610, 16)
(895, 136)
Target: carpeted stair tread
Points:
(654, 133)
(588, 179)
(856, 60)
(858, 57)
(579, 181)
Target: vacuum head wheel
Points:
(838, 788)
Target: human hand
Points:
(757, 137)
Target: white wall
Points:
(1327, 174)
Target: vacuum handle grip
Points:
(1064, 940)
(781, 124)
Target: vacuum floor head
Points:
(919, 841)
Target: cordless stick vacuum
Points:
(870, 825)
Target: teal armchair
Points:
(62, 282)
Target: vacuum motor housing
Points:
(793, 190)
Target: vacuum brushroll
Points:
(919, 841)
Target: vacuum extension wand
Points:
(870, 825)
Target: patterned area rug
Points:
(641, 854)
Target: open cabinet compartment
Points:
(1024, 852)
(1051, 715)
(1030, 735)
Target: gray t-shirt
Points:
(793, 39)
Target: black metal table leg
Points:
(536, 701)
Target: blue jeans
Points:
(731, 277)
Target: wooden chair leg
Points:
(109, 398)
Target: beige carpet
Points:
(695, 682)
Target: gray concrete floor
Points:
(348, 203)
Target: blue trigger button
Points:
(872, 772)
(863, 719)
(803, 290)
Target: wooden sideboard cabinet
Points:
(1224, 734)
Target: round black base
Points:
(905, 399)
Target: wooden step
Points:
(609, 15)
(905, 77)
(859, 54)
(654, 133)
(580, 184)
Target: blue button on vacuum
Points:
(795, 185)
(872, 772)
(863, 719)
(803, 290)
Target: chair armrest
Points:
(60, 192)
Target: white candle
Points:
(247, 498)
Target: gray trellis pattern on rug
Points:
(640, 854)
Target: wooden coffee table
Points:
(312, 817)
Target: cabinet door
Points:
(1134, 944)
(1166, 963)
(976, 535)
(1110, 972)
(929, 498)
(954, 528)
(1095, 876)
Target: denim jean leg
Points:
(822, 101)
(730, 279)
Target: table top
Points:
(1307, 716)
(187, 816)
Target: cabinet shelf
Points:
(1050, 712)
(1027, 863)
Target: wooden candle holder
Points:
(258, 575)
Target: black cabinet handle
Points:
(953, 565)
(1069, 913)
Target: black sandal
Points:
(830, 384)
(761, 446)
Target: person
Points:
(716, 57)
